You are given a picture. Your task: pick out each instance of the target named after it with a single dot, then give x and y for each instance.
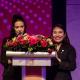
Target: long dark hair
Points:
(17, 17)
(66, 39)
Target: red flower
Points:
(14, 43)
(19, 38)
(11, 43)
(22, 41)
(43, 43)
(33, 40)
(30, 43)
(8, 43)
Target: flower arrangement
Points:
(30, 43)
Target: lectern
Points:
(33, 63)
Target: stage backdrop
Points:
(37, 14)
(73, 28)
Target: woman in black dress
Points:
(10, 72)
(65, 58)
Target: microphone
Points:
(20, 33)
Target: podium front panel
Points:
(31, 62)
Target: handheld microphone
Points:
(20, 33)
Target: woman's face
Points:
(19, 27)
(58, 34)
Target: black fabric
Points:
(61, 71)
(10, 72)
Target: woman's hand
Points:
(49, 41)
(9, 61)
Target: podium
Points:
(33, 64)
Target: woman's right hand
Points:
(9, 61)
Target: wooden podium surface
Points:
(33, 64)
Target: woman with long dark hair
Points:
(18, 27)
(65, 58)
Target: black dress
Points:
(61, 71)
(10, 72)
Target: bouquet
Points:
(31, 43)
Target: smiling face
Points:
(19, 27)
(58, 34)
